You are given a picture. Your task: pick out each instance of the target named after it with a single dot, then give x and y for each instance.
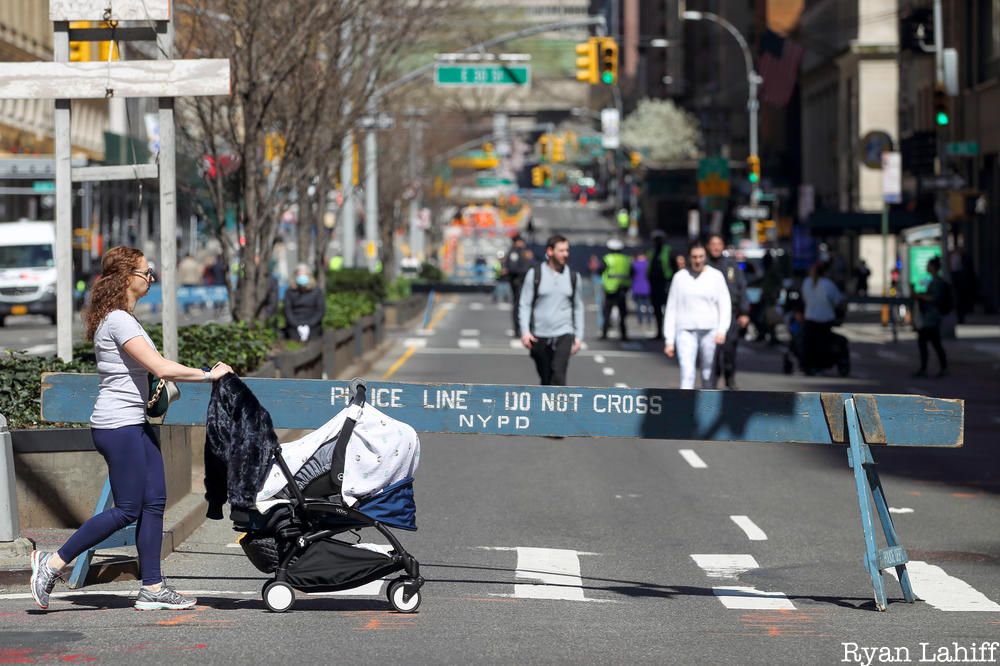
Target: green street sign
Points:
(44, 186)
(482, 75)
(962, 148)
(492, 181)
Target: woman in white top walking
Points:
(821, 298)
(697, 318)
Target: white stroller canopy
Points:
(381, 452)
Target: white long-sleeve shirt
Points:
(697, 301)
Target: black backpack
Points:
(534, 294)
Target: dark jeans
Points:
(816, 338)
(725, 354)
(931, 334)
(658, 310)
(551, 356)
(615, 300)
(135, 468)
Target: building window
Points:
(989, 40)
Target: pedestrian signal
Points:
(608, 64)
(586, 61)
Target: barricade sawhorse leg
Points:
(123, 537)
(866, 479)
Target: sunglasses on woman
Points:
(148, 274)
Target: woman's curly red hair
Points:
(110, 291)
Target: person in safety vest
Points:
(661, 271)
(616, 280)
(623, 219)
(336, 262)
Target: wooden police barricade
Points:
(853, 419)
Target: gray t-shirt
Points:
(124, 382)
(555, 314)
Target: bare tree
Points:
(302, 72)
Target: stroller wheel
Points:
(396, 592)
(278, 596)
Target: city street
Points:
(630, 540)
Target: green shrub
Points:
(430, 273)
(399, 289)
(21, 385)
(344, 308)
(357, 280)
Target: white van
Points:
(27, 269)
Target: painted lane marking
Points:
(750, 528)
(233, 545)
(399, 362)
(449, 305)
(692, 458)
(739, 597)
(608, 371)
(516, 344)
(557, 570)
(468, 343)
(598, 358)
(425, 331)
(725, 566)
(415, 342)
(944, 592)
(902, 509)
(470, 333)
(476, 306)
(621, 385)
(504, 307)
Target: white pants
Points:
(690, 345)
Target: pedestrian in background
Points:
(122, 435)
(516, 265)
(933, 305)
(641, 289)
(821, 298)
(305, 306)
(596, 267)
(660, 272)
(189, 272)
(550, 315)
(861, 275)
(616, 280)
(725, 361)
(697, 318)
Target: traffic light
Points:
(753, 169)
(558, 149)
(274, 146)
(537, 176)
(608, 62)
(635, 159)
(544, 143)
(586, 61)
(942, 107)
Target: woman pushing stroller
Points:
(121, 433)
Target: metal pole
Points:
(939, 199)
(753, 80)
(86, 217)
(371, 190)
(415, 240)
(168, 214)
(347, 220)
(64, 207)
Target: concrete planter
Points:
(60, 475)
(400, 313)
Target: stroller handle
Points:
(357, 390)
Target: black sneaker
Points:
(43, 578)
(163, 599)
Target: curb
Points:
(180, 521)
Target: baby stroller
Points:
(835, 351)
(354, 472)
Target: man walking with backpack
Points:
(550, 313)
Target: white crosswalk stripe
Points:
(739, 597)
(944, 592)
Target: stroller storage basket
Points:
(330, 565)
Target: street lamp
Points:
(753, 80)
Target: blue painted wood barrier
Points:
(852, 419)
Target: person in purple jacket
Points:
(641, 289)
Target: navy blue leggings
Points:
(135, 467)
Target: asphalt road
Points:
(603, 550)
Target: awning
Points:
(835, 222)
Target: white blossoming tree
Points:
(662, 130)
